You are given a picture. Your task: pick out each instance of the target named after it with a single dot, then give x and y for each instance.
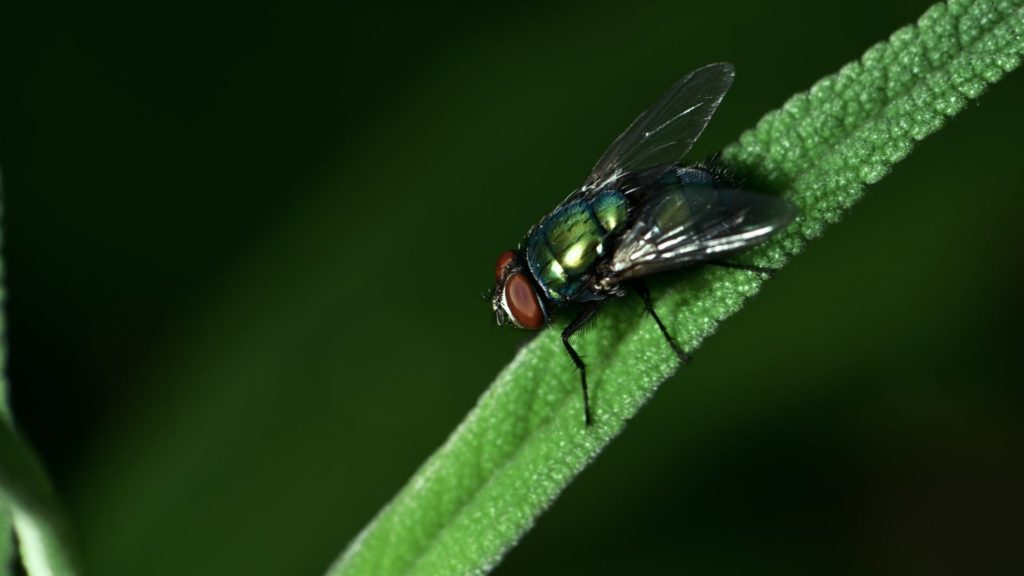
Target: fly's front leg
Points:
(588, 312)
(645, 294)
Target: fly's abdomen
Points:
(570, 241)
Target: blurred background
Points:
(244, 248)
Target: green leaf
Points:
(28, 502)
(43, 535)
(525, 441)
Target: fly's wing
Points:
(689, 225)
(666, 131)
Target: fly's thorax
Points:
(610, 210)
(569, 243)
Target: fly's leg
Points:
(578, 323)
(645, 294)
(769, 272)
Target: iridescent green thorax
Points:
(567, 244)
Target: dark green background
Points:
(244, 248)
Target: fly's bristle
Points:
(724, 177)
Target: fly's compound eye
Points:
(522, 302)
(503, 261)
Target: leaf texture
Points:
(525, 441)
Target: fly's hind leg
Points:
(645, 294)
(578, 323)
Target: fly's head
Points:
(515, 298)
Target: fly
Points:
(638, 213)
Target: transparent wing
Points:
(666, 131)
(689, 225)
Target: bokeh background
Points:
(244, 247)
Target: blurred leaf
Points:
(6, 539)
(524, 441)
(28, 501)
(42, 532)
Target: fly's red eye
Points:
(503, 261)
(522, 302)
